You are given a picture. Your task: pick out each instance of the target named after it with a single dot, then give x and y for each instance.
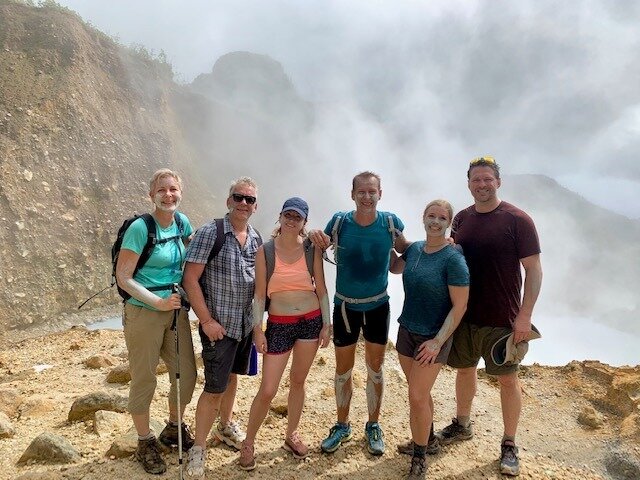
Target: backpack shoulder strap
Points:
(151, 240)
(270, 257)
(335, 229)
(220, 239)
(309, 251)
(179, 224)
(393, 231)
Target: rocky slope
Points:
(579, 421)
(84, 123)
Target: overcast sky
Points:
(545, 86)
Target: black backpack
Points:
(220, 239)
(152, 241)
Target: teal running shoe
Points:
(339, 433)
(375, 442)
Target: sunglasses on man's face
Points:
(238, 198)
(484, 160)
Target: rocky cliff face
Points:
(83, 124)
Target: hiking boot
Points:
(294, 444)
(418, 469)
(433, 447)
(375, 438)
(148, 454)
(195, 462)
(231, 434)
(169, 436)
(454, 433)
(509, 463)
(247, 457)
(339, 433)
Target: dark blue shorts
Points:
(222, 358)
(284, 330)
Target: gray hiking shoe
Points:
(231, 434)
(196, 463)
(509, 463)
(433, 447)
(454, 433)
(418, 469)
(148, 454)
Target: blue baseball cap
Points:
(296, 204)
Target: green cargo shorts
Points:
(470, 342)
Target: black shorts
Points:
(284, 330)
(408, 344)
(222, 358)
(374, 324)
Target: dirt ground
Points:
(554, 445)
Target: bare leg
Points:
(141, 422)
(465, 390)
(272, 369)
(374, 357)
(421, 381)
(228, 400)
(303, 354)
(206, 414)
(511, 400)
(345, 359)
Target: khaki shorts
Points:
(470, 342)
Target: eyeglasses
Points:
(478, 160)
(238, 198)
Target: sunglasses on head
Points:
(238, 198)
(478, 160)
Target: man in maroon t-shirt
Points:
(497, 238)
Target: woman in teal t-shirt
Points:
(149, 314)
(436, 289)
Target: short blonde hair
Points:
(160, 174)
(243, 181)
(439, 203)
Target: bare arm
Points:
(323, 297)
(532, 284)
(259, 301)
(191, 284)
(396, 263)
(429, 350)
(127, 261)
(401, 243)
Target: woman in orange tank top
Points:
(299, 322)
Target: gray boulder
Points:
(49, 448)
(84, 408)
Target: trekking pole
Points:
(175, 336)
